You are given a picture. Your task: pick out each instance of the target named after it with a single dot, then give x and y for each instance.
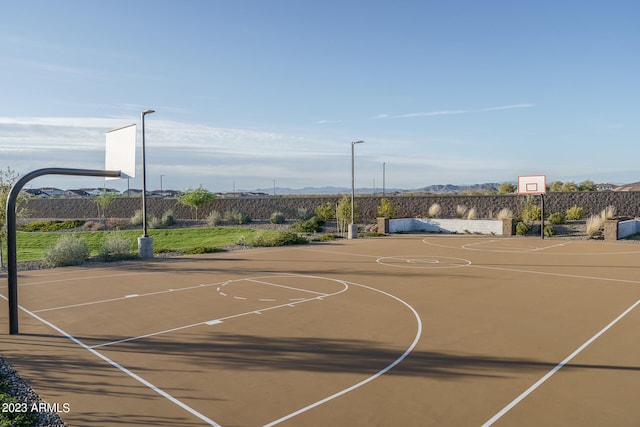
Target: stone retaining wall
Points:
(626, 203)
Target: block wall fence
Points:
(626, 203)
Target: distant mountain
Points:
(455, 189)
(434, 189)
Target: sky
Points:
(252, 94)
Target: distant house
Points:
(36, 192)
(605, 187)
(76, 193)
(165, 193)
(132, 193)
(52, 191)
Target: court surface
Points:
(406, 330)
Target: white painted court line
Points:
(233, 316)
(123, 369)
(186, 288)
(369, 379)
(547, 273)
(284, 287)
(559, 366)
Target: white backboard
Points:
(532, 184)
(120, 153)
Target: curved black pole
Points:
(12, 266)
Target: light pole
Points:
(353, 230)
(161, 190)
(384, 165)
(145, 243)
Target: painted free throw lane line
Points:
(123, 369)
(559, 366)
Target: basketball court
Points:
(411, 330)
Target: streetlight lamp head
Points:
(357, 142)
(148, 112)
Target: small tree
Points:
(344, 213)
(386, 209)
(196, 198)
(8, 177)
(326, 211)
(506, 188)
(103, 201)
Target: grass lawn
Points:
(32, 246)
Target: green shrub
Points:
(312, 225)
(556, 218)
(136, 219)
(51, 225)
(68, 250)
(327, 237)
(575, 213)
(522, 228)
(277, 218)
(116, 248)
(168, 219)
(214, 219)
(201, 250)
(386, 209)
(531, 212)
(153, 222)
(15, 418)
(549, 230)
(303, 214)
(235, 216)
(326, 212)
(281, 239)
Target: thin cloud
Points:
(449, 112)
(507, 107)
(431, 113)
(328, 122)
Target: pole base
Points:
(145, 247)
(352, 232)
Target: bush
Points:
(153, 222)
(136, 219)
(556, 218)
(594, 224)
(214, 219)
(312, 225)
(68, 250)
(574, 213)
(434, 210)
(326, 212)
(303, 214)
(531, 212)
(281, 239)
(471, 214)
(386, 209)
(505, 213)
(522, 228)
(461, 211)
(277, 218)
(168, 219)
(51, 225)
(201, 250)
(549, 230)
(116, 248)
(235, 216)
(608, 213)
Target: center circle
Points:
(423, 262)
